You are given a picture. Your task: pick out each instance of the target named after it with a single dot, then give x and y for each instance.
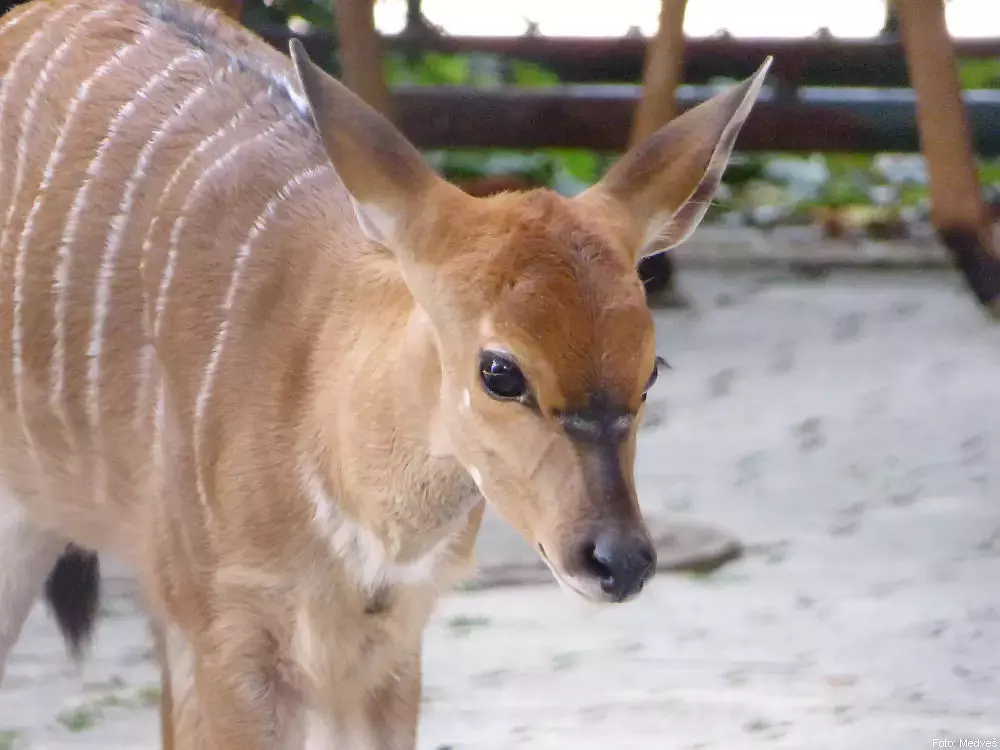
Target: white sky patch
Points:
(760, 18)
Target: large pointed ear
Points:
(388, 179)
(665, 184)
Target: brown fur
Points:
(346, 367)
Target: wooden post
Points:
(663, 70)
(361, 53)
(957, 207)
(890, 28)
(416, 24)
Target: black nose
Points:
(622, 562)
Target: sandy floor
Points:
(847, 429)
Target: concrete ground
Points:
(846, 429)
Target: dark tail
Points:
(73, 592)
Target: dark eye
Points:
(501, 377)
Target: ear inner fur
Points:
(665, 184)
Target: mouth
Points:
(590, 590)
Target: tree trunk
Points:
(361, 53)
(957, 207)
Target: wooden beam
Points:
(811, 62)
(957, 207)
(599, 118)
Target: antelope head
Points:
(544, 341)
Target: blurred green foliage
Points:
(979, 74)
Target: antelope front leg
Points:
(392, 713)
(222, 694)
(235, 679)
(181, 725)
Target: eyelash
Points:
(659, 362)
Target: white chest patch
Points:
(359, 548)
(317, 734)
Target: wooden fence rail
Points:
(878, 62)
(599, 118)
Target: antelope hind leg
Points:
(27, 556)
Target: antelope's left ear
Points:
(662, 188)
(389, 182)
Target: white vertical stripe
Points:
(168, 271)
(112, 247)
(146, 355)
(192, 197)
(181, 221)
(55, 157)
(5, 88)
(235, 279)
(28, 116)
(10, 23)
(61, 276)
(21, 258)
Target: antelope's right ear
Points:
(388, 179)
(661, 189)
